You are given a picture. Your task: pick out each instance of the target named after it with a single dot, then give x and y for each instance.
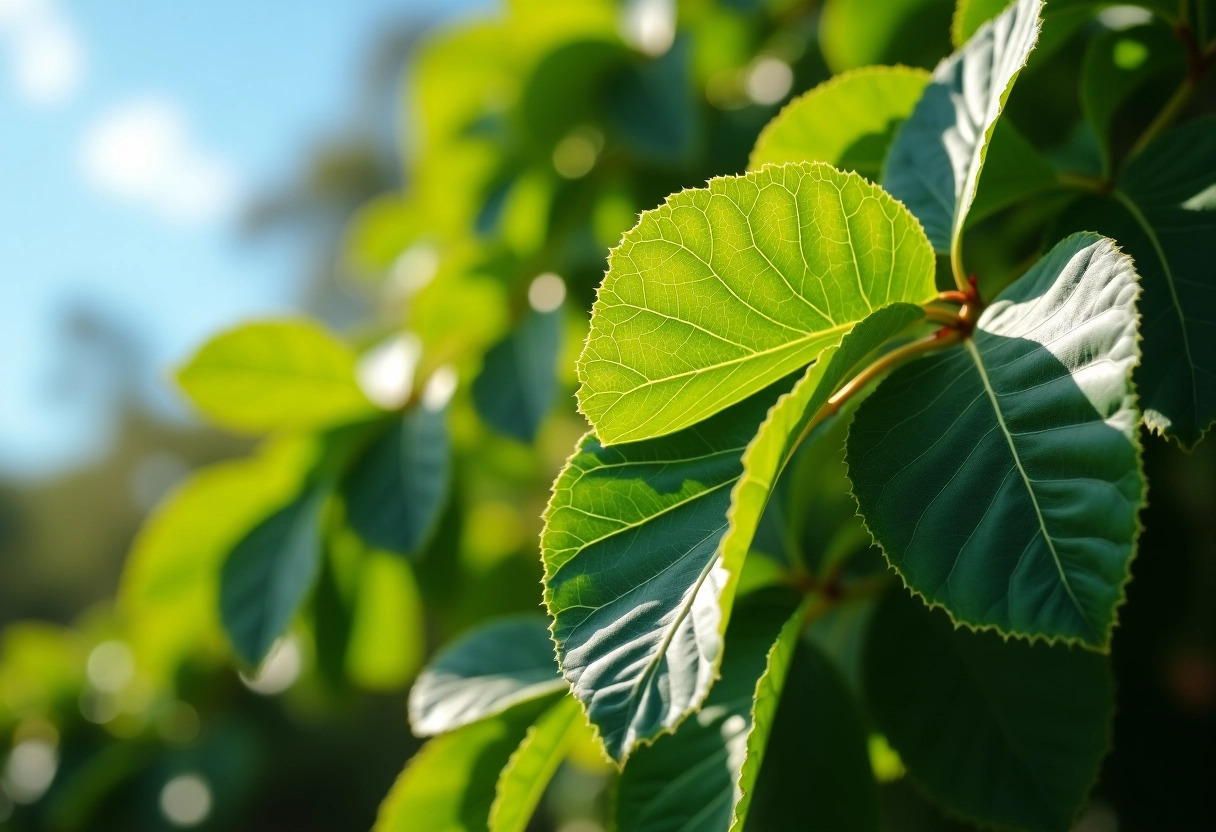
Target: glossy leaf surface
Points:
(496, 666)
(935, 163)
(692, 778)
(1163, 213)
(1006, 733)
(1002, 477)
(396, 488)
(726, 289)
(643, 544)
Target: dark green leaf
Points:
(816, 771)
(395, 490)
(496, 666)
(692, 779)
(1006, 733)
(1002, 477)
(269, 573)
(1163, 213)
(518, 381)
(643, 543)
(649, 107)
(934, 165)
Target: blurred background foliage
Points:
(457, 252)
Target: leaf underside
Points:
(1002, 477)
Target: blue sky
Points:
(130, 132)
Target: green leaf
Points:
(692, 779)
(395, 491)
(724, 290)
(855, 33)
(1002, 477)
(643, 544)
(1013, 171)
(934, 165)
(449, 785)
(1117, 65)
(969, 15)
(169, 596)
(650, 106)
(816, 771)
(1006, 733)
(848, 121)
(1163, 213)
(523, 780)
(493, 668)
(269, 573)
(275, 375)
(386, 644)
(518, 381)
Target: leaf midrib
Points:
(1026, 481)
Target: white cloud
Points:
(143, 152)
(47, 55)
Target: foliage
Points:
(808, 457)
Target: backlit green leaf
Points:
(496, 666)
(1006, 733)
(1163, 214)
(643, 544)
(726, 289)
(275, 375)
(855, 33)
(934, 165)
(969, 15)
(269, 573)
(449, 785)
(396, 489)
(518, 381)
(523, 779)
(1002, 477)
(692, 779)
(387, 641)
(848, 121)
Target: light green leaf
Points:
(275, 375)
(395, 491)
(1002, 478)
(693, 779)
(1117, 64)
(848, 121)
(724, 290)
(643, 544)
(1163, 213)
(493, 668)
(934, 165)
(169, 595)
(518, 381)
(387, 637)
(449, 785)
(269, 573)
(856, 33)
(816, 771)
(523, 780)
(1006, 733)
